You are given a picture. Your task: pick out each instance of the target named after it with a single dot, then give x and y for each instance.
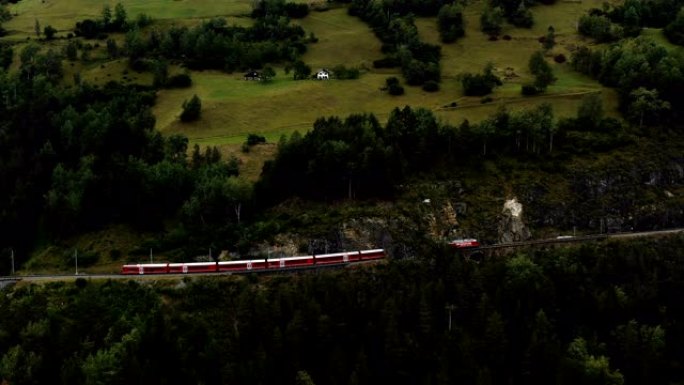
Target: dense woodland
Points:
(602, 313)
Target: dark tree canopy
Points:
(191, 109)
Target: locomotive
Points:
(243, 266)
(464, 243)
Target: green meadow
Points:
(233, 107)
(63, 14)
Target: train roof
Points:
(192, 264)
(240, 261)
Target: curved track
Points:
(5, 280)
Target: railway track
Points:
(8, 280)
(581, 238)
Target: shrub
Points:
(480, 84)
(529, 89)
(522, 18)
(431, 86)
(396, 90)
(254, 139)
(417, 72)
(49, 32)
(393, 86)
(391, 81)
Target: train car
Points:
(334, 258)
(147, 268)
(131, 269)
(202, 267)
(283, 263)
(464, 243)
(196, 267)
(243, 265)
(367, 255)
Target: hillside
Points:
(569, 153)
(197, 131)
(235, 107)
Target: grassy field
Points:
(232, 107)
(63, 14)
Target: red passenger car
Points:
(198, 267)
(148, 268)
(244, 265)
(372, 254)
(329, 259)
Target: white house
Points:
(323, 74)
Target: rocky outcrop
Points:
(511, 225)
(442, 220)
(354, 234)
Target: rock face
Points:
(442, 221)
(511, 226)
(354, 234)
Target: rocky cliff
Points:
(511, 225)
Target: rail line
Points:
(6, 280)
(580, 238)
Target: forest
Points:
(600, 313)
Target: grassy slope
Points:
(63, 14)
(233, 107)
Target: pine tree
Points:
(191, 109)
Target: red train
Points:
(255, 264)
(464, 243)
